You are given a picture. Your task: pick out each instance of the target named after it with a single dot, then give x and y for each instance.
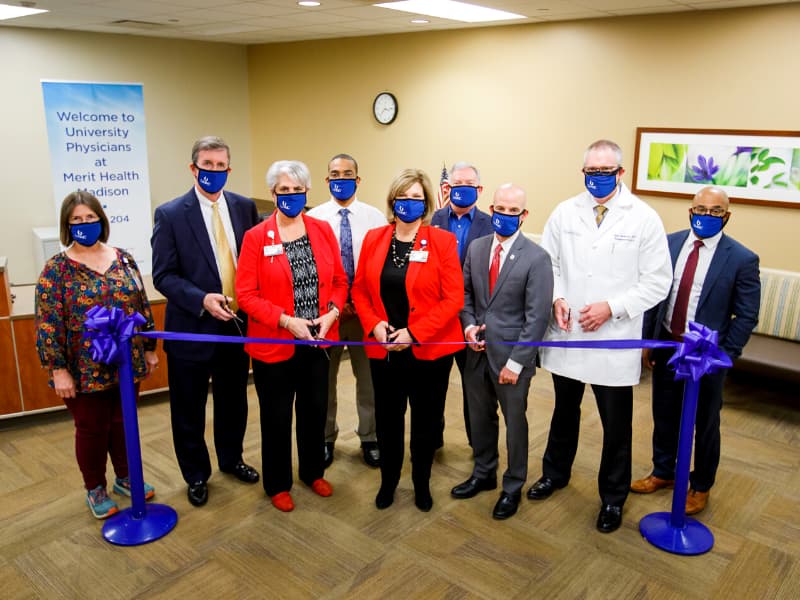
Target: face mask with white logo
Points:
(463, 195)
(86, 234)
(342, 189)
(211, 181)
(291, 204)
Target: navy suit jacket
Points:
(730, 298)
(184, 268)
(481, 226)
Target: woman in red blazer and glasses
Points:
(408, 290)
(291, 283)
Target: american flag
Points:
(442, 196)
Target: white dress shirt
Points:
(703, 262)
(207, 209)
(362, 217)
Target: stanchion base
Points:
(123, 529)
(694, 538)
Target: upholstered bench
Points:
(774, 347)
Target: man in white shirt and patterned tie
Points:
(350, 220)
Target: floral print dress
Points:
(66, 290)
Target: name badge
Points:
(273, 250)
(420, 256)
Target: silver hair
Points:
(293, 168)
(464, 165)
(599, 144)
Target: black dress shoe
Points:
(198, 493)
(542, 489)
(372, 456)
(506, 506)
(472, 487)
(423, 501)
(384, 498)
(243, 472)
(328, 456)
(609, 519)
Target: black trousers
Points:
(667, 407)
(188, 394)
(615, 405)
(461, 361)
(302, 382)
(399, 381)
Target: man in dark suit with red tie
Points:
(196, 242)
(508, 290)
(716, 283)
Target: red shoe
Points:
(322, 488)
(283, 502)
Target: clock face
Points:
(385, 108)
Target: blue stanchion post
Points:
(111, 332)
(674, 531)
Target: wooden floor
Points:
(239, 546)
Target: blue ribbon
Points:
(106, 329)
(696, 356)
(699, 354)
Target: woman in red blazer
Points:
(291, 283)
(408, 290)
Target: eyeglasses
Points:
(592, 172)
(701, 211)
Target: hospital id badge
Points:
(273, 250)
(420, 256)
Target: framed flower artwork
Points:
(753, 167)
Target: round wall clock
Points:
(384, 108)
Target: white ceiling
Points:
(265, 21)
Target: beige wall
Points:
(190, 89)
(523, 102)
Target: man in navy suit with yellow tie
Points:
(196, 241)
(716, 283)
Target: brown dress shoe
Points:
(650, 484)
(696, 501)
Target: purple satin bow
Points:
(699, 354)
(105, 328)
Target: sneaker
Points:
(122, 486)
(100, 504)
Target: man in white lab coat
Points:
(610, 264)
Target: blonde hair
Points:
(404, 180)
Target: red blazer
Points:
(435, 291)
(264, 287)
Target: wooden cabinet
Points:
(36, 392)
(158, 380)
(31, 390)
(10, 401)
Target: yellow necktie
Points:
(600, 213)
(227, 270)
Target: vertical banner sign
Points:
(98, 144)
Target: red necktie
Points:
(678, 323)
(494, 268)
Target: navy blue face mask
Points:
(86, 234)
(291, 204)
(463, 195)
(505, 225)
(409, 210)
(706, 226)
(601, 186)
(211, 181)
(342, 189)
